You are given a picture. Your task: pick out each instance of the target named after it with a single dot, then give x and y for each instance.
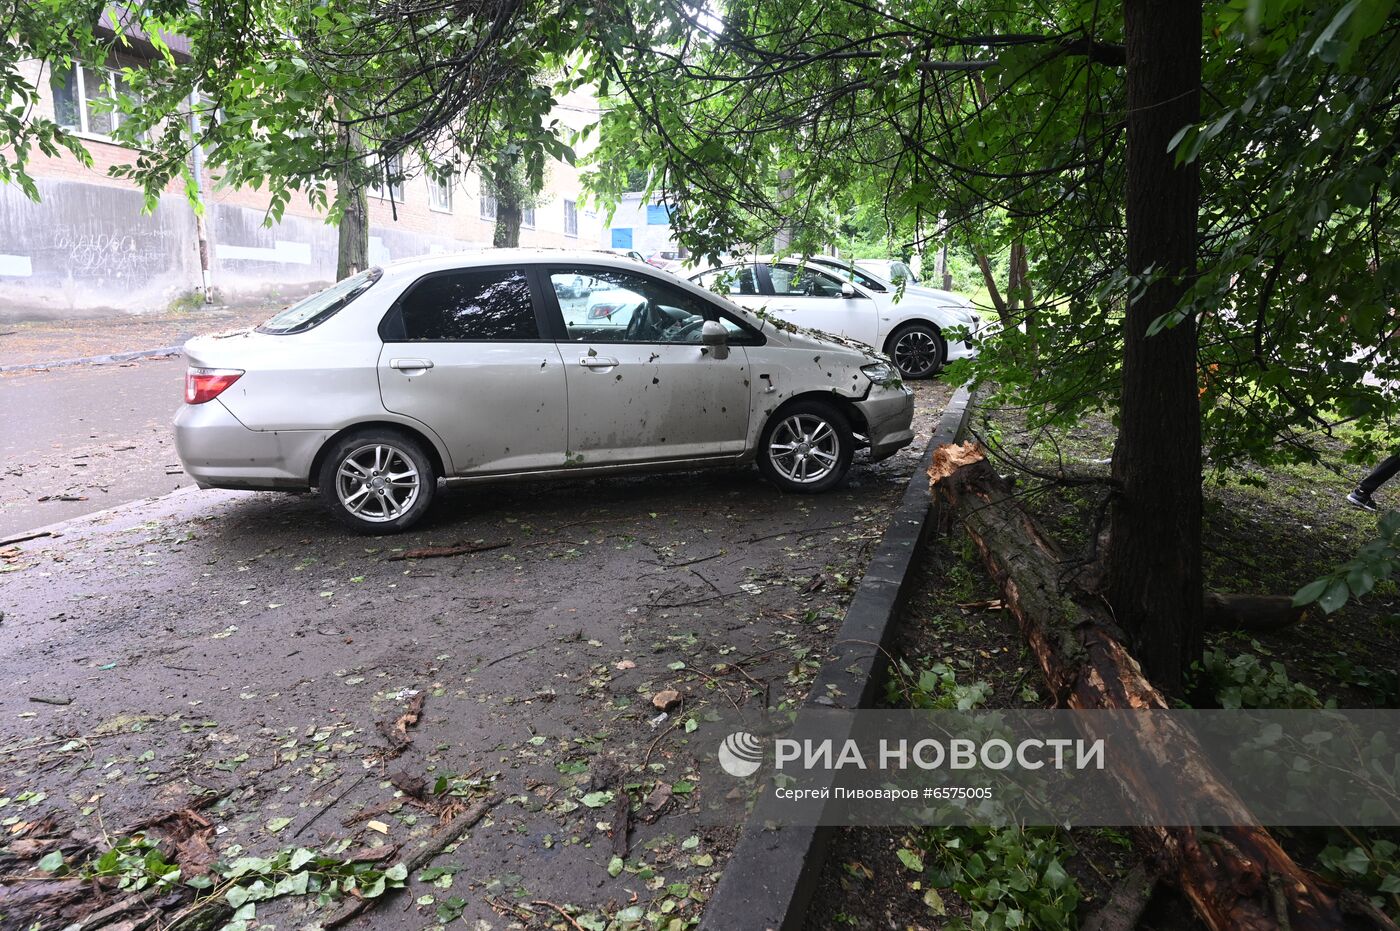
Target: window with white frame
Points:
(527, 217)
(488, 207)
(570, 218)
(392, 170)
(84, 98)
(440, 193)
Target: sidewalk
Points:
(33, 344)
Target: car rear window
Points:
(318, 308)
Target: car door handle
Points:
(403, 364)
(597, 362)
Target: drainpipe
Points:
(200, 228)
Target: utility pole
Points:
(201, 228)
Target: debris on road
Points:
(456, 549)
(666, 699)
(50, 700)
(397, 732)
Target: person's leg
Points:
(1380, 475)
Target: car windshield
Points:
(861, 278)
(320, 307)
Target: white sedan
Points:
(921, 329)
(514, 364)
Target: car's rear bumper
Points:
(219, 452)
(889, 415)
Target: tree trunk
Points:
(352, 254)
(1236, 879)
(507, 234)
(1154, 556)
(990, 279)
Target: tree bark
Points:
(1154, 557)
(1236, 879)
(990, 279)
(507, 235)
(352, 253)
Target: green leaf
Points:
(1335, 596)
(910, 859)
(278, 824)
(615, 867)
(597, 799)
(52, 861)
(1310, 592)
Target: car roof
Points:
(471, 258)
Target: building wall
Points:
(87, 248)
(639, 224)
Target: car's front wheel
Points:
(806, 447)
(378, 481)
(917, 350)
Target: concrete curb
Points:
(769, 881)
(93, 360)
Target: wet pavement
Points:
(242, 642)
(81, 439)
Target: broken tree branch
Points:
(443, 838)
(1225, 876)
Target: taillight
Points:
(207, 384)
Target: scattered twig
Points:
(560, 909)
(445, 836)
(331, 804)
(456, 549)
(25, 537)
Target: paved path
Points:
(80, 439)
(242, 642)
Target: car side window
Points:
(616, 306)
(731, 280)
(793, 281)
(467, 305)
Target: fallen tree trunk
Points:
(1250, 612)
(1236, 879)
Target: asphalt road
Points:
(81, 439)
(244, 643)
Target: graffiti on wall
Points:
(92, 252)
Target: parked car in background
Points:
(664, 258)
(889, 269)
(632, 254)
(504, 365)
(921, 329)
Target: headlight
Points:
(879, 372)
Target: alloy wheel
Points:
(916, 353)
(804, 448)
(377, 482)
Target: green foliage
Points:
(138, 863)
(1010, 877)
(1369, 864)
(1374, 562)
(935, 687)
(1245, 682)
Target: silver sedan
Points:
(496, 366)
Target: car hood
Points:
(799, 337)
(937, 296)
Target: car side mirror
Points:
(714, 336)
(848, 290)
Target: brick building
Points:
(86, 247)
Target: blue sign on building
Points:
(658, 215)
(622, 237)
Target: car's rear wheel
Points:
(378, 481)
(917, 350)
(806, 447)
